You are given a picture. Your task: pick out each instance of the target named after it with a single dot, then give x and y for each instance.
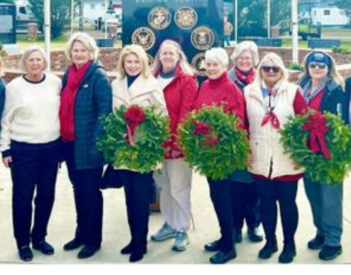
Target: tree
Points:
(7, 1)
(60, 15)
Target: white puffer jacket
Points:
(266, 149)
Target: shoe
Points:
(316, 243)
(87, 251)
(166, 232)
(288, 254)
(25, 254)
(44, 248)
(136, 257)
(72, 245)
(269, 248)
(128, 249)
(237, 236)
(213, 247)
(181, 241)
(254, 236)
(221, 258)
(329, 253)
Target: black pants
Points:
(34, 167)
(285, 193)
(88, 199)
(245, 205)
(138, 189)
(220, 193)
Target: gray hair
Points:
(217, 55)
(88, 43)
(27, 53)
(183, 62)
(246, 46)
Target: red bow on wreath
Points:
(316, 124)
(134, 116)
(201, 128)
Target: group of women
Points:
(46, 121)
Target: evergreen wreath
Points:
(321, 144)
(134, 137)
(212, 142)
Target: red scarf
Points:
(246, 77)
(68, 97)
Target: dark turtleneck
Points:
(170, 74)
(131, 79)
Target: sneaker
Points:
(181, 242)
(330, 252)
(166, 232)
(316, 243)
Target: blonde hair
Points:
(27, 53)
(277, 61)
(142, 56)
(332, 72)
(2, 71)
(183, 62)
(249, 46)
(88, 43)
(217, 55)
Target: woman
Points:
(136, 86)
(270, 101)
(322, 89)
(177, 79)
(219, 89)
(245, 197)
(30, 145)
(86, 97)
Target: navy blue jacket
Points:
(348, 97)
(2, 98)
(93, 101)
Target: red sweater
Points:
(180, 95)
(221, 91)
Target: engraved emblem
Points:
(198, 62)
(144, 37)
(202, 38)
(185, 18)
(159, 18)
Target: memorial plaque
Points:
(196, 24)
(7, 24)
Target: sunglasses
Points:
(267, 69)
(314, 65)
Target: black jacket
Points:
(348, 96)
(334, 100)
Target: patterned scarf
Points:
(269, 100)
(309, 93)
(246, 77)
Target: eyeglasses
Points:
(314, 65)
(267, 69)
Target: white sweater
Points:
(31, 112)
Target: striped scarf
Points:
(309, 93)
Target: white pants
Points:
(174, 182)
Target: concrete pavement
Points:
(116, 232)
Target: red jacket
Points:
(180, 95)
(222, 90)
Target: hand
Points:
(7, 161)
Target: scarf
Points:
(269, 100)
(75, 77)
(309, 93)
(246, 77)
